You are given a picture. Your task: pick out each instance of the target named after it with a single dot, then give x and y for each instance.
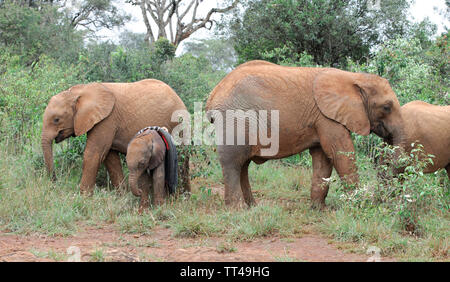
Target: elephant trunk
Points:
(398, 140)
(134, 184)
(47, 149)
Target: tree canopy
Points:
(55, 27)
(329, 30)
(177, 20)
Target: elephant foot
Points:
(235, 202)
(186, 188)
(137, 193)
(87, 191)
(318, 195)
(142, 209)
(234, 197)
(158, 201)
(318, 205)
(251, 203)
(248, 197)
(237, 206)
(143, 206)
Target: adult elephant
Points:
(318, 108)
(110, 114)
(428, 125)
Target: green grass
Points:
(97, 256)
(31, 203)
(286, 258)
(51, 254)
(226, 247)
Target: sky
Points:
(419, 10)
(426, 8)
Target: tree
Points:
(424, 31)
(219, 52)
(176, 20)
(57, 28)
(132, 40)
(89, 14)
(30, 32)
(446, 12)
(94, 14)
(329, 30)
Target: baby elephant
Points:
(428, 125)
(152, 162)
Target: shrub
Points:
(404, 196)
(25, 92)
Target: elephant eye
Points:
(56, 120)
(387, 108)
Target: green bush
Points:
(31, 32)
(192, 78)
(406, 197)
(25, 91)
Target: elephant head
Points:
(363, 103)
(72, 113)
(145, 152)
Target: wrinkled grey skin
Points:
(145, 161)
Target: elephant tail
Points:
(171, 161)
(210, 116)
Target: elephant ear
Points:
(339, 97)
(94, 103)
(158, 151)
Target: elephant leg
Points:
(114, 167)
(232, 159)
(245, 185)
(144, 185)
(233, 190)
(338, 146)
(159, 192)
(322, 168)
(97, 148)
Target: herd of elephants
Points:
(318, 109)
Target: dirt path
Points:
(109, 245)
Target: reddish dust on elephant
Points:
(111, 114)
(153, 165)
(428, 125)
(318, 107)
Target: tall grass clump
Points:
(397, 212)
